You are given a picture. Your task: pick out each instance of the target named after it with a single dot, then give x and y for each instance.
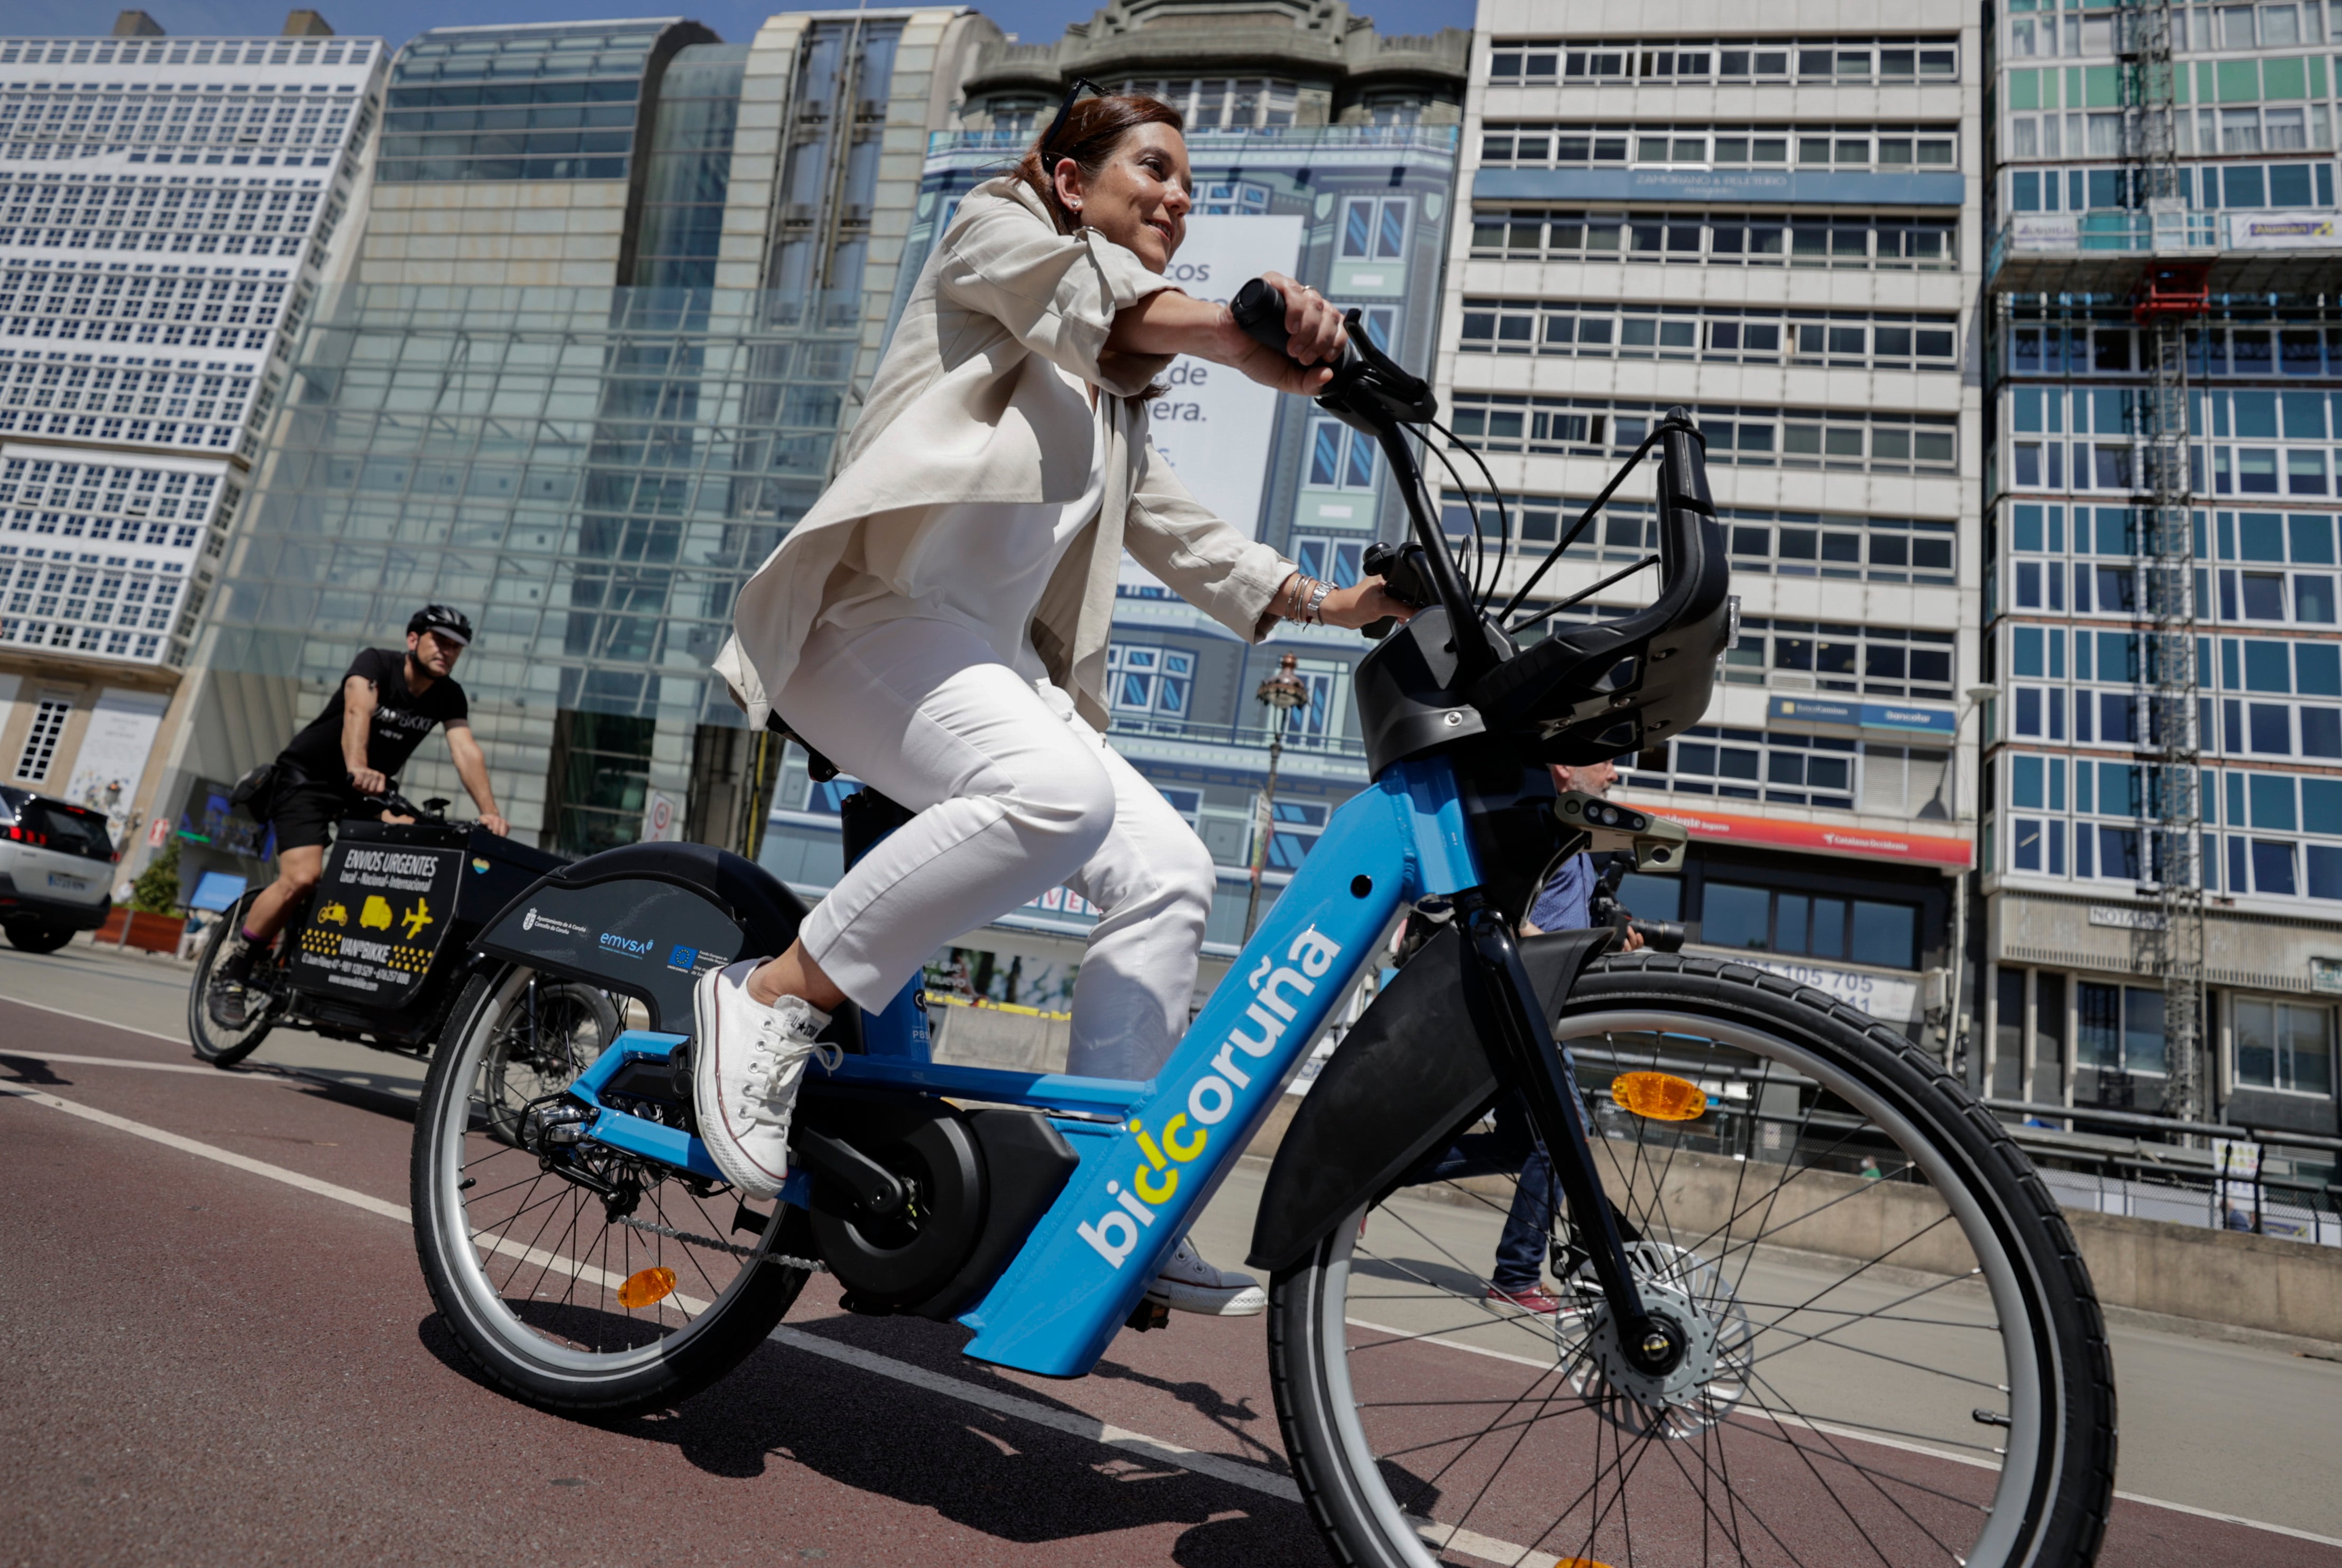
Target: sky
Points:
(1032, 21)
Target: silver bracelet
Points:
(1313, 615)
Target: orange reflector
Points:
(650, 1286)
(1661, 1096)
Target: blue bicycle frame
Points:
(1152, 1153)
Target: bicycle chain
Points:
(811, 1266)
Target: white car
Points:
(57, 868)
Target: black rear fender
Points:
(1410, 1075)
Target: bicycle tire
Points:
(213, 1042)
(577, 1356)
(1356, 1455)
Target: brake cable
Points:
(1480, 558)
(1496, 493)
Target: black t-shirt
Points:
(401, 719)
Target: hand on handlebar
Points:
(1315, 339)
(368, 781)
(495, 824)
(1362, 604)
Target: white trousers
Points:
(1016, 795)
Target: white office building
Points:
(169, 207)
(1768, 216)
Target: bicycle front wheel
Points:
(216, 1041)
(1894, 1353)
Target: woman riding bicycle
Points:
(937, 624)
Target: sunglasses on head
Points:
(1073, 96)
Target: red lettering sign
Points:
(1725, 827)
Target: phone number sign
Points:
(377, 922)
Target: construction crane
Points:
(2171, 295)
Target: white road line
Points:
(123, 1061)
(178, 1040)
(1161, 1449)
(2233, 1519)
(357, 1200)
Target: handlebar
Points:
(1586, 692)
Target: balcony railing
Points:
(1250, 736)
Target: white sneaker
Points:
(747, 1061)
(1190, 1285)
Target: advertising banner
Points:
(2046, 232)
(1214, 424)
(377, 920)
(2281, 231)
(113, 748)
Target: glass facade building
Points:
(576, 386)
(2081, 803)
(170, 210)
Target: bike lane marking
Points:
(178, 1040)
(356, 1199)
(132, 1062)
(1267, 1483)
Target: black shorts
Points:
(305, 814)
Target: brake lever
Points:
(1401, 568)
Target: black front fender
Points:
(1410, 1075)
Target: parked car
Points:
(56, 870)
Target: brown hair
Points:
(1092, 131)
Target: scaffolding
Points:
(2169, 296)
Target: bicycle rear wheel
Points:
(1896, 1357)
(617, 1287)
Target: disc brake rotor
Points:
(1704, 1384)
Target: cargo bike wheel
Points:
(1895, 1355)
(582, 1282)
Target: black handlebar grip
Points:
(1259, 310)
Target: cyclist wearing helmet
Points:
(388, 703)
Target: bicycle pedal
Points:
(745, 1218)
(1148, 1315)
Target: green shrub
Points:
(157, 891)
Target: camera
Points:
(1604, 909)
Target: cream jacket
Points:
(964, 409)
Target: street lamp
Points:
(1281, 694)
(1954, 1032)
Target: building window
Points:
(1220, 197)
(1218, 104)
(1150, 680)
(1294, 833)
(1849, 439)
(2284, 1046)
(1335, 561)
(1373, 228)
(1721, 334)
(2122, 1027)
(41, 739)
(1809, 925)
(1719, 239)
(1706, 146)
(1340, 458)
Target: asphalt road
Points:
(221, 1350)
